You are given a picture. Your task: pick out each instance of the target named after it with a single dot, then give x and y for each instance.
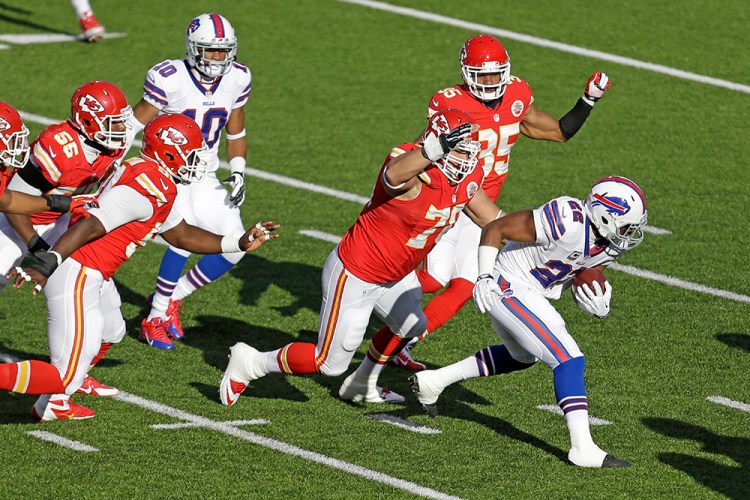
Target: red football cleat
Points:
(92, 30)
(59, 408)
(95, 388)
(174, 325)
(154, 333)
(405, 361)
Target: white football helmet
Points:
(210, 32)
(616, 207)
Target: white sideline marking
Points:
(641, 273)
(29, 39)
(562, 47)
(187, 425)
(558, 410)
(687, 285)
(64, 442)
(280, 179)
(720, 400)
(402, 423)
(286, 448)
(655, 230)
(4, 46)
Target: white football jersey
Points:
(172, 87)
(565, 243)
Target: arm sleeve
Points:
(120, 205)
(245, 85)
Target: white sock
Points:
(583, 451)
(458, 371)
(81, 7)
(183, 288)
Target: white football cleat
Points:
(595, 457)
(427, 390)
(245, 364)
(356, 391)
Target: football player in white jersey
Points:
(545, 248)
(210, 87)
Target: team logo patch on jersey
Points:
(89, 104)
(4, 125)
(612, 204)
(194, 25)
(517, 108)
(472, 189)
(496, 117)
(172, 137)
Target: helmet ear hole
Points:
(170, 156)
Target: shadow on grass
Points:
(738, 340)
(732, 481)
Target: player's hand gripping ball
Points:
(592, 292)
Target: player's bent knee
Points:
(332, 370)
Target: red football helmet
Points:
(100, 111)
(175, 142)
(483, 55)
(462, 161)
(14, 138)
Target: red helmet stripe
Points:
(218, 25)
(627, 182)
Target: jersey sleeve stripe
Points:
(149, 186)
(152, 97)
(47, 163)
(249, 86)
(558, 218)
(154, 88)
(243, 98)
(551, 222)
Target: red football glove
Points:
(595, 87)
(79, 205)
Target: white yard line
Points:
(188, 425)
(226, 428)
(31, 38)
(720, 400)
(541, 42)
(64, 442)
(556, 409)
(641, 273)
(402, 423)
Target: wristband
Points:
(237, 165)
(58, 202)
(230, 244)
(487, 255)
(238, 135)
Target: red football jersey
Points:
(107, 253)
(59, 153)
(499, 126)
(391, 236)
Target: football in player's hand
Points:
(588, 276)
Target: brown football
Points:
(588, 276)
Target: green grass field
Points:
(336, 85)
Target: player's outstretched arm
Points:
(482, 210)
(197, 240)
(539, 125)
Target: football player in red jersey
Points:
(503, 106)
(84, 307)
(14, 153)
(419, 192)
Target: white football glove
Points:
(594, 301)
(236, 182)
(436, 147)
(595, 87)
(486, 293)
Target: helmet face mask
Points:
(210, 33)
(14, 138)
(176, 144)
(462, 161)
(485, 55)
(616, 207)
(101, 112)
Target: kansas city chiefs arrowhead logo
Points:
(4, 125)
(89, 104)
(440, 125)
(172, 137)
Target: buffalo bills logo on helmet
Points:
(4, 125)
(194, 25)
(172, 137)
(89, 104)
(613, 204)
